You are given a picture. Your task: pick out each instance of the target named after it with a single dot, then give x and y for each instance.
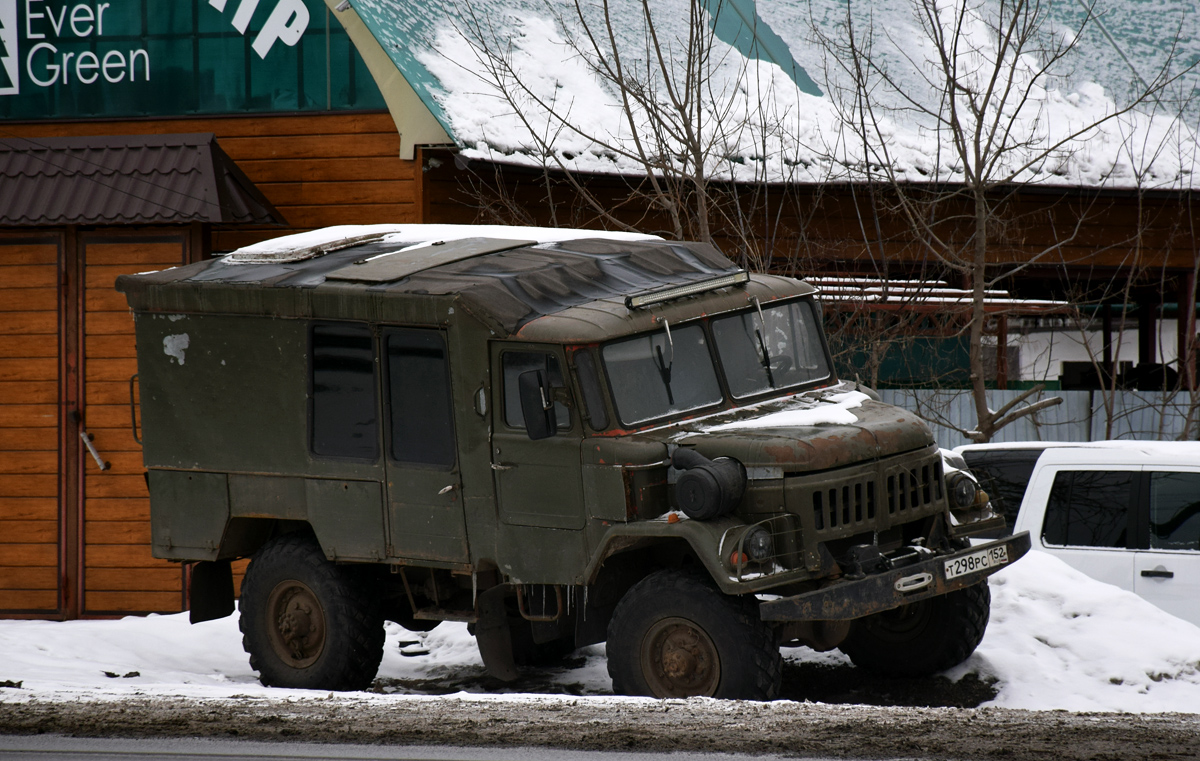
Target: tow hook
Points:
(913, 583)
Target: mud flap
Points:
(210, 593)
(493, 635)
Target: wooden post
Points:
(1109, 368)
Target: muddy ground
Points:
(853, 716)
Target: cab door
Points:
(425, 503)
(538, 483)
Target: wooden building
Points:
(307, 122)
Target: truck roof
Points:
(507, 283)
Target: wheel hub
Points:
(296, 623)
(680, 660)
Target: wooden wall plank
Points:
(28, 440)
(28, 508)
(24, 253)
(29, 532)
(168, 579)
(28, 415)
(28, 370)
(134, 602)
(26, 323)
(26, 345)
(27, 299)
(29, 577)
(28, 600)
(22, 555)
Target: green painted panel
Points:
(188, 514)
(347, 517)
(128, 58)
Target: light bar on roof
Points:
(741, 277)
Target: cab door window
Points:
(516, 362)
(419, 401)
(343, 401)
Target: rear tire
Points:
(307, 623)
(674, 635)
(923, 638)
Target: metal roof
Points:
(506, 288)
(126, 180)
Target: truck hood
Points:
(806, 433)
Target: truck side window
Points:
(1089, 508)
(517, 362)
(1175, 511)
(422, 420)
(343, 392)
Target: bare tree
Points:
(981, 71)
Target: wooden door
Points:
(29, 427)
(119, 575)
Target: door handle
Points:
(502, 466)
(87, 442)
(446, 490)
(1158, 574)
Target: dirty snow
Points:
(1057, 640)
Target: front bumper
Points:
(890, 589)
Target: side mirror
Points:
(537, 405)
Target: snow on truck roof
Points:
(509, 276)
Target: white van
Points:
(1126, 513)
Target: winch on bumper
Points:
(916, 579)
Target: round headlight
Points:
(963, 489)
(758, 544)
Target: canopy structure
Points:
(126, 180)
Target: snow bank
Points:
(1061, 640)
(1057, 640)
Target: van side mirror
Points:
(537, 405)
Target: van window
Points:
(422, 423)
(343, 392)
(1089, 508)
(1175, 511)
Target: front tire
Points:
(923, 638)
(674, 635)
(307, 623)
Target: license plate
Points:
(976, 561)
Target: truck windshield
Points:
(661, 373)
(770, 348)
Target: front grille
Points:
(846, 505)
(912, 489)
(867, 498)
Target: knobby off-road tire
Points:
(306, 622)
(923, 638)
(675, 635)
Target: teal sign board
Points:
(124, 58)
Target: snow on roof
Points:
(300, 246)
(772, 122)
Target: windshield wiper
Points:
(664, 365)
(762, 344)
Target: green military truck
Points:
(560, 443)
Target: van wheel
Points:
(306, 622)
(923, 638)
(674, 635)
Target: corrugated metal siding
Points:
(1082, 416)
(121, 180)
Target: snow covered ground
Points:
(1057, 640)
